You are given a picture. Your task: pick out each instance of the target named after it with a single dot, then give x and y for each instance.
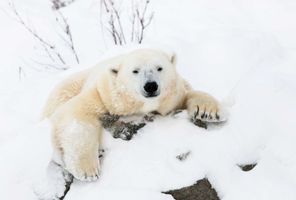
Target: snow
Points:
(239, 51)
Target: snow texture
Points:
(242, 52)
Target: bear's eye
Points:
(136, 71)
(114, 71)
(159, 69)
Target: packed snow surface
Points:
(242, 52)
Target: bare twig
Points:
(49, 48)
(141, 16)
(116, 36)
(114, 23)
(66, 29)
(49, 66)
(139, 21)
(116, 12)
(56, 57)
(21, 72)
(133, 20)
(101, 22)
(57, 4)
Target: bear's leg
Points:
(76, 135)
(203, 107)
(80, 148)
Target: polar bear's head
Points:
(144, 77)
(146, 73)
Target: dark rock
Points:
(122, 129)
(201, 190)
(183, 156)
(68, 182)
(109, 120)
(126, 130)
(247, 167)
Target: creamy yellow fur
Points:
(75, 105)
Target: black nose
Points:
(151, 87)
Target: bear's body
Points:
(136, 83)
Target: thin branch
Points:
(139, 21)
(141, 16)
(45, 44)
(49, 66)
(101, 22)
(113, 16)
(66, 29)
(118, 20)
(133, 20)
(57, 4)
(21, 73)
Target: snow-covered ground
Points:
(242, 52)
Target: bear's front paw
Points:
(205, 109)
(208, 113)
(85, 170)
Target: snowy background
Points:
(243, 52)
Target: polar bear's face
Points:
(146, 73)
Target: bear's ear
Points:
(173, 58)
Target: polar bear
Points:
(139, 82)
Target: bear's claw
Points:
(206, 115)
(84, 171)
(86, 176)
